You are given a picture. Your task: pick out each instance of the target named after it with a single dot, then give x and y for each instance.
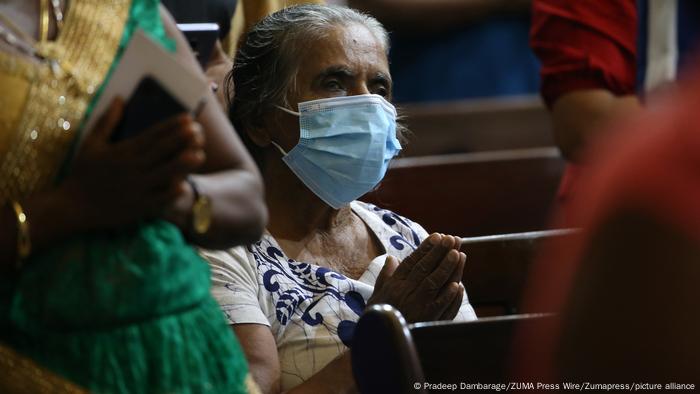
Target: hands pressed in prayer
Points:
(426, 285)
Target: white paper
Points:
(143, 57)
(185, 27)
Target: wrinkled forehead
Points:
(354, 46)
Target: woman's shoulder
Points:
(253, 258)
(230, 261)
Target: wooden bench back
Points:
(384, 359)
(474, 194)
(390, 356)
(476, 126)
(498, 267)
(470, 352)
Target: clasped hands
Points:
(427, 284)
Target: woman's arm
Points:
(216, 69)
(51, 216)
(109, 185)
(261, 352)
(580, 116)
(228, 176)
(116, 184)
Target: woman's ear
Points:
(259, 136)
(272, 127)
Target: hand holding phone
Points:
(150, 104)
(116, 184)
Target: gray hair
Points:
(267, 63)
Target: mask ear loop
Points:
(289, 111)
(279, 148)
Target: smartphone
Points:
(202, 38)
(149, 104)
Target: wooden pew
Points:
(471, 352)
(384, 358)
(390, 356)
(498, 267)
(476, 126)
(474, 194)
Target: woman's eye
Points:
(333, 85)
(382, 91)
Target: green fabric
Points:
(127, 311)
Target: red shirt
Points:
(585, 44)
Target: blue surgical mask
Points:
(345, 146)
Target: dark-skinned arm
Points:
(261, 352)
(52, 215)
(114, 185)
(579, 117)
(228, 177)
(216, 69)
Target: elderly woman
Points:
(293, 298)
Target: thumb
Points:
(109, 120)
(390, 265)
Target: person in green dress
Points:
(99, 282)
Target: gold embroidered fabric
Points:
(20, 375)
(43, 103)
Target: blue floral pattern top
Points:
(311, 310)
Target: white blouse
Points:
(311, 310)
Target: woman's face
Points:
(348, 61)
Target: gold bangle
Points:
(24, 244)
(43, 21)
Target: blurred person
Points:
(599, 60)
(210, 11)
(626, 291)
(457, 49)
(234, 19)
(99, 281)
(294, 297)
(21, 375)
(588, 58)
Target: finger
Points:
(157, 201)
(172, 189)
(453, 308)
(430, 261)
(176, 168)
(185, 136)
(458, 242)
(454, 241)
(145, 140)
(446, 298)
(459, 270)
(390, 266)
(109, 120)
(434, 282)
(409, 262)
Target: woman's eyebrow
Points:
(381, 78)
(339, 71)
